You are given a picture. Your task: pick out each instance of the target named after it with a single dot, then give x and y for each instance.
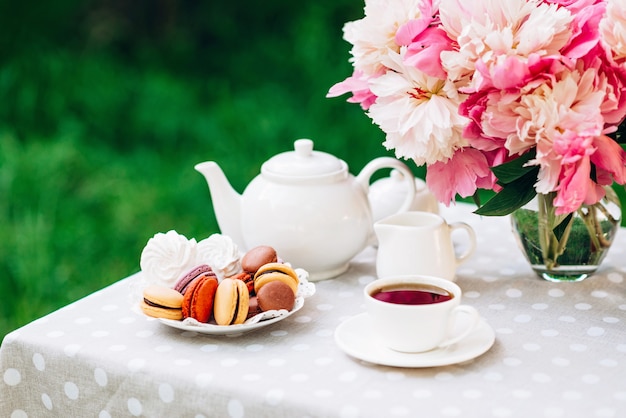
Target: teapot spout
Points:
(226, 201)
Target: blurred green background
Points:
(105, 107)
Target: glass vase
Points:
(566, 248)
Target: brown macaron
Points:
(199, 298)
(275, 295)
(231, 302)
(258, 256)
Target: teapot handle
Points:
(363, 178)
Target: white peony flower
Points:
(221, 253)
(166, 257)
(613, 27)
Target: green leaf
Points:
(513, 196)
(513, 170)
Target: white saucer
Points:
(354, 336)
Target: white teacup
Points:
(419, 243)
(417, 313)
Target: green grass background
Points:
(105, 107)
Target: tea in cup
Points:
(414, 314)
(420, 243)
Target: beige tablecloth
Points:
(560, 351)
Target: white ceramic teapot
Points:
(306, 205)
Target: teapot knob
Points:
(303, 147)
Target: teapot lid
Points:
(303, 162)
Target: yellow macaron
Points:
(162, 302)
(231, 302)
(276, 271)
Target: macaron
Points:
(253, 307)
(275, 295)
(199, 298)
(185, 280)
(276, 271)
(247, 278)
(258, 256)
(162, 302)
(231, 302)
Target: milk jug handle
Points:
(363, 178)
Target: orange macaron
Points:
(199, 298)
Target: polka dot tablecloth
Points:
(560, 351)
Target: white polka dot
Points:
(514, 293)
(250, 377)
(323, 361)
(71, 349)
(472, 294)
(599, 294)
(323, 393)
(301, 347)
(117, 348)
(540, 306)
(472, 394)
(100, 334)
(134, 407)
(568, 319)
(279, 333)
(501, 412)
(497, 307)
(512, 361)
(572, 395)
(522, 319)
(276, 362)
(71, 390)
(303, 319)
(621, 348)
(422, 393)
(12, 377)
(366, 279)
(595, 331)
(166, 392)
(209, 348)
(507, 271)
(489, 279)
(443, 376)
(541, 378)
(324, 307)
(582, 306)
(400, 411)
(493, 376)
(163, 348)
(109, 308)
(590, 379)
(620, 396)
(607, 362)
(451, 411)
(104, 414)
(100, 376)
(549, 332)
(39, 362)
(274, 396)
(47, 402)
(373, 394)
(610, 320)
(55, 334)
(395, 376)
(553, 412)
(522, 394)
(556, 293)
(299, 377)
(559, 361)
(622, 307)
(235, 409)
(325, 333)
(578, 347)
(615, 277)
(605, 413)
(531, 347)
(182, 362)
(136, 364)
(203, 379)
(82, 321)
(229, 362)
(349, 411)
(18, 413)
(126, 320)
(145, 334)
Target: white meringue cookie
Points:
(167, 256)
(221, 253)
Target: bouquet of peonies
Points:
(522, 97)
